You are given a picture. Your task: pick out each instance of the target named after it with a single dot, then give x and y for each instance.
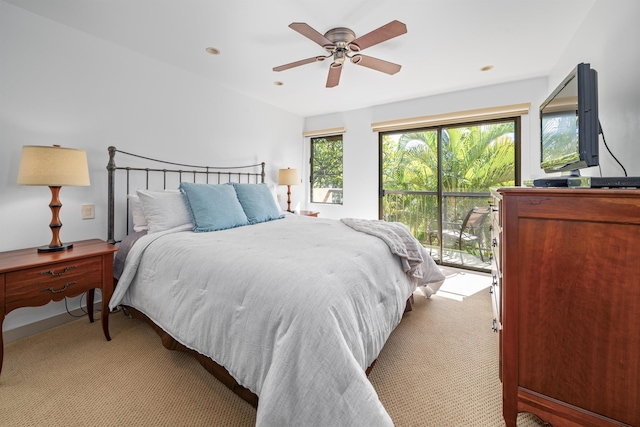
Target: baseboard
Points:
(48, 323)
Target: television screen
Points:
(569, 123)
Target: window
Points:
(432, 177)
(326, 169)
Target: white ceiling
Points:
(447, 43)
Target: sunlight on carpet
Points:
(460, 284)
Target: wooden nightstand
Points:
(308, 213)
(30, 279)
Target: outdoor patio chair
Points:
(465, 234)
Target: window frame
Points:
(312, 141)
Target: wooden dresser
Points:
(30, 279)
(567, 282)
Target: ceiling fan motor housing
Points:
(340, 37)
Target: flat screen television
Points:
(569, 125)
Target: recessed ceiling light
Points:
(278, 83)
(486, 68)
(212, 51)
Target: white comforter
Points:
(295, 309)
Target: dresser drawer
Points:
(39, 285)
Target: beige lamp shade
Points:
(288, 177)
(53, 166)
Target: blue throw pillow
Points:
(258, 202)
(213, 206)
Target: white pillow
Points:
(137, 214)
(164, 209)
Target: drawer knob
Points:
(51, 272)
(57, 291)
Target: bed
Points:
(288, 311)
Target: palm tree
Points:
(474, 158)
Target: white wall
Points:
(62, 86)
(608, 39)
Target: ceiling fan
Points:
(341, 43)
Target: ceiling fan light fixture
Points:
(330, 48)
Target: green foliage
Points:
(561, 144)
(473, 159)
(326, 167)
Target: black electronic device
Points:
(551, 182)
(570, 134)
(569, 126)
(604, 182)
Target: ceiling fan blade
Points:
(298, 63)
(376, 64)
(384, 33)
(310, 33)
(334, 75)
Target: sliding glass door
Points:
(432, 179)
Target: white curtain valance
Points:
(324, 132)
(452, 118)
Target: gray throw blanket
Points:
(123, 250)
(399, 239)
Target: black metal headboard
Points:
(145, 177)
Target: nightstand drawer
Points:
(39, 285)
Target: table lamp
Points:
(54, 167)
(288, 177)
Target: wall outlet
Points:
(88, 211)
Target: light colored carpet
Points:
(439, 368)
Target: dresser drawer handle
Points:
(51, 272)
(53, 291)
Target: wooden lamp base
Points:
(289, 198)
(55, 225)
(62, 247)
